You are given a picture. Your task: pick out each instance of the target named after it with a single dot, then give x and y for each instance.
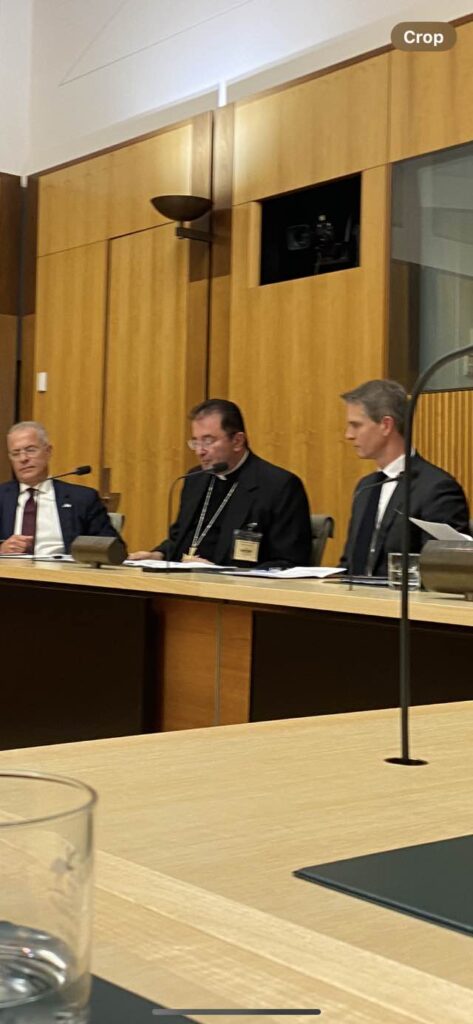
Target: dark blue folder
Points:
(433, 881)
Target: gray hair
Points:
(381, 398)
(30, 425)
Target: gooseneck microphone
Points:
(80, 471)
(218, 467)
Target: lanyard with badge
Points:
(200, 533)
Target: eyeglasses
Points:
(205, 442)
(31, 449)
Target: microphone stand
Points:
(404, 625)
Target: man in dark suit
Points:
(375, 425)
(251, 514)
(38, 514)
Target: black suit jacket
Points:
(80, 509)
(267, 495)
(435, 497)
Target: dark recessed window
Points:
(312, 231)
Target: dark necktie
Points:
(365, 533)
(28, 527)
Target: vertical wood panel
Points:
(431, 98)
(296, 345)
(325, 128)
(236, 626)
(444, 432)
(221, 252)
(154, 372)
(109, 195)
(8, 328)
(70, 323)
(10, 221)
(205, 663)
(26, 390)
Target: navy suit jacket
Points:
(435, 497)
(267, 495)
(80, 509)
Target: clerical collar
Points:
(228, 472)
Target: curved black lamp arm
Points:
(404, 645)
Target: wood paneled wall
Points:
(283, 351)
(10, 220)
(444, 432)
(295, 346)
(109, 195)
(325, 128)
(121, 318)
(431, 98)
(155, 372)
(70, 348)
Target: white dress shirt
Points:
(387, 489)
(49, 539)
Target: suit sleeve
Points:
(288, 541)
(168, 545)
(96, 521)
(445, 502)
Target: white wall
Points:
(15, 64)
(106, 70)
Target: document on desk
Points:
(299, 572)
(160, 565)
(441, 531)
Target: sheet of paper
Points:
(163, 566)
(297, 573)
(441, 531)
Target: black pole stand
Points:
(404, 625)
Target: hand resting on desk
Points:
(17, 544)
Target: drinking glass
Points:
(395, 571)
(46, 844)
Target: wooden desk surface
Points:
(198, 833)
(309, 594)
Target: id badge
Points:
(246, 544)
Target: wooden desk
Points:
(213, 649)
(199, 831)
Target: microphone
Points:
(80, 471)
(218, 467)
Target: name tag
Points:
(246, 545)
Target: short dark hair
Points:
(232, 419)
(381, 398)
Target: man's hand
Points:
(17, 544)
(138, 556)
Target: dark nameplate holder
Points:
(111, 1004)
(431, 881)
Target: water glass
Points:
(46, 843)
(395, 571)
